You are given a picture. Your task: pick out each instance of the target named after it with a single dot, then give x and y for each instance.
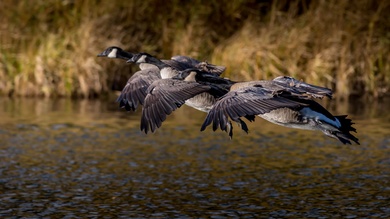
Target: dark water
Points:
(87, 159)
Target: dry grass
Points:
(333, 44)
(48, 48)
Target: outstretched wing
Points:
(177, 65)
(215, 69)
(163, 97)
(184, 62)
(248, 101)
(134, 92)
(299, 87)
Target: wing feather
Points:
(134, 91)
(299, 87)
(247, 101)
(184, 62)
(163, 97)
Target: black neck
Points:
(157, 62)
(124, 54)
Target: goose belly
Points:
(304, 118)
(203, 102)
(289, 118)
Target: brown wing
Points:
(247, 101)
(215, 69)
(134, 92)
(301, 88)
(177, 65)
(182, 63)
(163, 97)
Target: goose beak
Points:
(179, 76)
(103, 54)
(131, 60)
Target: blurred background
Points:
(48, 48)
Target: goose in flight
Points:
(134, 92)
(283, 101)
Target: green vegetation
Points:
(49, 48)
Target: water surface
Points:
(88, 159)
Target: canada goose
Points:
(169, 68)
(282, 103)
(115, 52)
(135, 90)
(166, 95)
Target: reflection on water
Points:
(87, 159)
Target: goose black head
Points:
(115, 52)
(142, 57)
(188, 74)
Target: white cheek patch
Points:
(112, 54)
(142, 59)
(191, 76)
